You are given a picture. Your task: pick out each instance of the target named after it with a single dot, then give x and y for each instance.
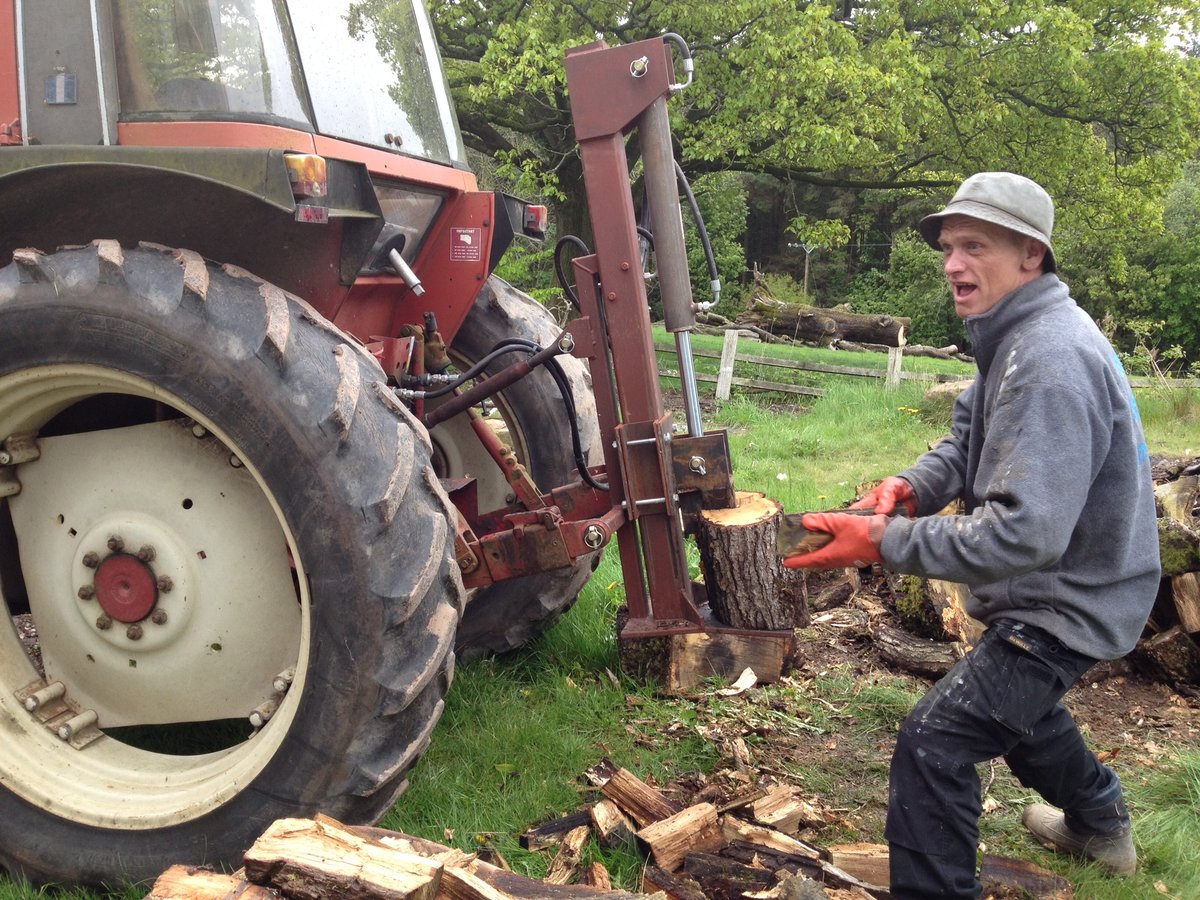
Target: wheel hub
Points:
(126, 588)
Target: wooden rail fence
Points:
(725, 379)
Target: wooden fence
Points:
(725, 379)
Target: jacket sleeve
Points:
(1044, 445)
(939, 476)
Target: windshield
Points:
(375, 75)
(363, 71)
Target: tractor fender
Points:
(230, 204)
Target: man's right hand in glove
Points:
(890, 493)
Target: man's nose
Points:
(952, 262)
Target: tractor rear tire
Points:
(506, 615)
(164, 390)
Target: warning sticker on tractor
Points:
(466, 244)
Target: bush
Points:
(913, 285)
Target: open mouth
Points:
(964, 291)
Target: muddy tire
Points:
(291, 506)
(506, 615)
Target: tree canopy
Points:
(879, 107)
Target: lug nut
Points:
(235, 461)
(199, 430)
(134, 632)
(91, 559)
(104, 622)
(116, 543)
(146, 553)
(159, 617)
(165, 584)
(87, 592)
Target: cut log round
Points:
(747, 585)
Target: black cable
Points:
(584, 250)
(701, 229)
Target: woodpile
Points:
(744, 846)
(1171, 649)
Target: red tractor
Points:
(247, 325)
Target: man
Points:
(1057, 544)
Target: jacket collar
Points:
(989, 329)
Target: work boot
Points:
(1113, 851)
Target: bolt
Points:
(165, 584)
(116, 543)
(5, 458)
(566, 343)
(624, 267)
(612, 295)
(91, 559)
(639, 67)
(104, 622)
(199, 430)
(593, 536)
(234, 461)
(134, 632)
(159, 617)
(87, 592)
(696, 464)
(146, 553)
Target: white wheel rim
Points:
(232, 618)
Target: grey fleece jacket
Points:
(1047, 452)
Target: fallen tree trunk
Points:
(813, 323)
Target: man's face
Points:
(984, 262)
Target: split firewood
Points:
(551, 833)
(744, 578)
(759, 836)
(913, 654)
(643, 803)
(319, 859)
(193, 883)
(694, 829)
(999, 875)
(827, 590)
(463, 884)
(596, 875)
(725, 879)
(1178, 546)
(784, 811)
(1178, 498)
(565, 865)
(613, 828)
(1171, 656)
(1185, 591)
(674, 885)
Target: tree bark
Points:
(813, 323)
(746, 583)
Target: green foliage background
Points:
(867, 114)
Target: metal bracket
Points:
(48, 703)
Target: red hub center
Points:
(126, 587)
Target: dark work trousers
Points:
(1001, 699)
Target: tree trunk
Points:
(746, 583)
(813, 323)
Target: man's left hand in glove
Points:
(856, 540)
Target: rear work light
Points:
(307, 173)
(536, 220)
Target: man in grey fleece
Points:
(1057, 543)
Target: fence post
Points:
(725, 373)
(895, 361)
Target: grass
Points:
(519, 732)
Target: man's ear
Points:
(1035, 255)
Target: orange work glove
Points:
(855, 541)
(893, 491)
